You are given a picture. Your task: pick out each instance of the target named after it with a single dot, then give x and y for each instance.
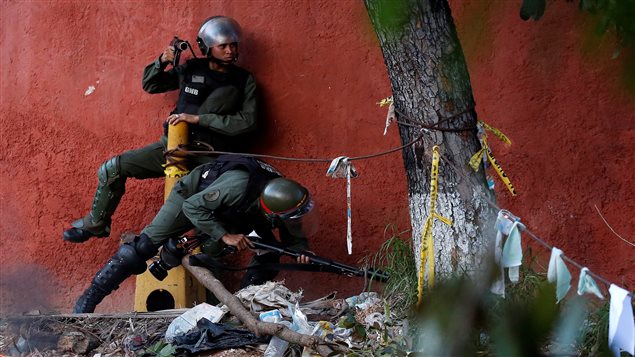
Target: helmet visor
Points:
(305, 224)
(305, 208)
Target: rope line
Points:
(531, 234)
(182, 151)
(435, 126)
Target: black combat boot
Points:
(130, 259)
(84, 228)
(106, 281)
(89, 299)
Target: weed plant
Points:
(461, 317)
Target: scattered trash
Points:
(270, 316)
(325, 308)
(357, 323)
(300, 322)
(268, 296)
(277, 346)
(213, 336)
(187, 321)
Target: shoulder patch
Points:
(212, 196)
(265, 166)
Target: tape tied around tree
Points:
(485, 155)
(426, 257)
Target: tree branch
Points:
(210, 282)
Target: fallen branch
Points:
(259, 328)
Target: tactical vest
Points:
(197, 82)
(260, 173)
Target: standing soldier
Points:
(218, 101)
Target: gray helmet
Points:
(217, 30)
(285, 199)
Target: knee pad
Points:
(144, 247)
(133, 255)
(109, 171)
(128, 258)
(119, 267)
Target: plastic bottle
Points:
(277, 346)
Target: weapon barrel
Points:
(333, 265)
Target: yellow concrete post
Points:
(179, 289)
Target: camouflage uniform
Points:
(226, 105)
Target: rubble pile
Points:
(360, 324)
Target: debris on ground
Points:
(268, 296)
(359, 323)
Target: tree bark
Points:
(431, 86)
(259, 328)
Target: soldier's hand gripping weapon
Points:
(175, 249)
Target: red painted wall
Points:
(553, 88)
(320, 73)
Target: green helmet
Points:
(285, 199)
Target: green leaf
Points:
(167, 351)
(361, 331)
(162, 349)
(532, 9)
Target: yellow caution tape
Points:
(384, 102)
(475, 160)
(174, 171)
(499, 170)
(496, 132)
(426, 257)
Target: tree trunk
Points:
(431, 86)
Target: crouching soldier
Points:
(224, 200)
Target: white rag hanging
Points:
(505, 221)
(621, 329)
(513, 253)
(586, 284)
(559, 274)
(341, 167)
